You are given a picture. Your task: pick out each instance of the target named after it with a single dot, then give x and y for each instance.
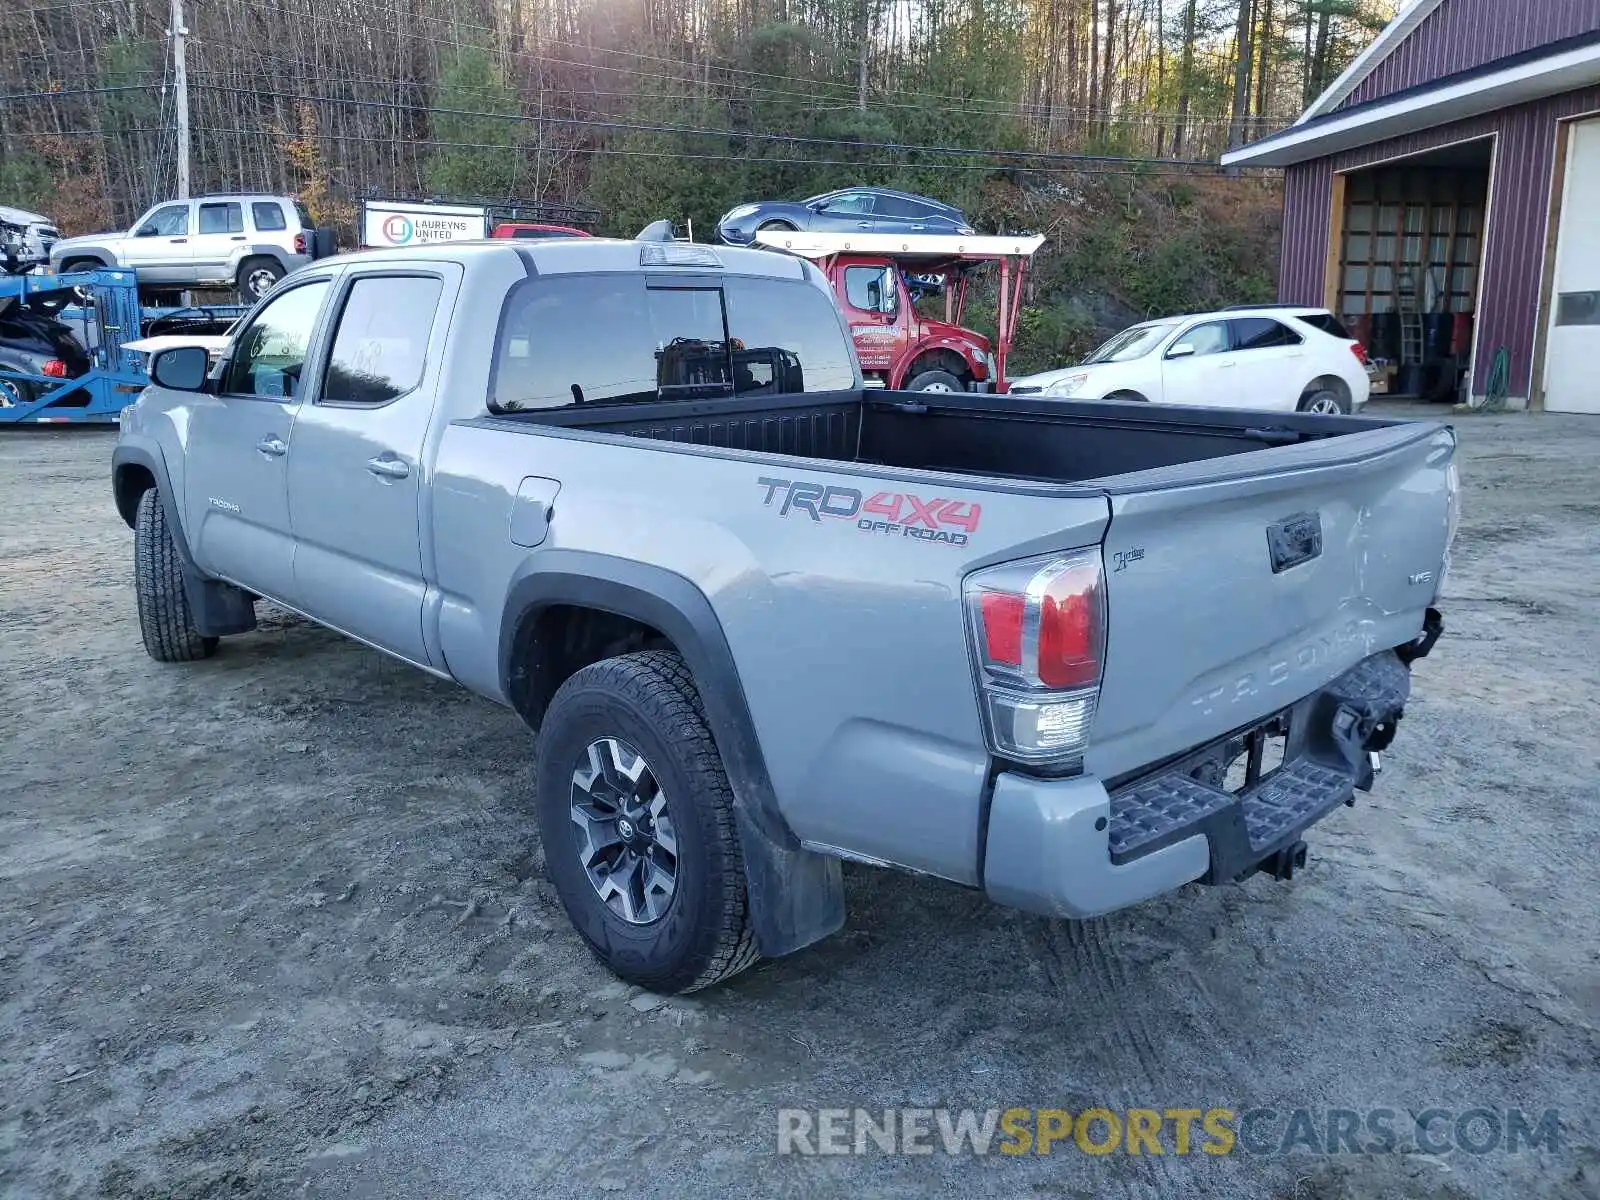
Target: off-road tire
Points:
(73, 265)
(935, 381)
(165, 621)
(252, 282)
(648, 699)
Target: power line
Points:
(783, 138)
(603, 151)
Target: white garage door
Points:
(1572, 383)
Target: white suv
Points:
(1280, 357)
(243, 242)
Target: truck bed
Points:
(1014, 437)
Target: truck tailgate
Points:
(1236, 586)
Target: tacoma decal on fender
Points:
(897, 514)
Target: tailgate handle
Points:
(1294, 540)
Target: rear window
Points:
(611, 339)
(1326, 322)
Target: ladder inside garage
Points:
(1410, 318)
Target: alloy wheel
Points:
(623, 831)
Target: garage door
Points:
(1571, 381)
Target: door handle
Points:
(179, 241)
(1226, 366)
(272, 445)
(389, 468)
(863, 224)
(238, 237)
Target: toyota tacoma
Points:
(762, 619)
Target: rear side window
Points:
(381, 342)
(268, 216)
(895, 206)
(1327, 323)
(221, 218)
(1262, 333)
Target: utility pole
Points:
(180, 74)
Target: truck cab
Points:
(899, 348)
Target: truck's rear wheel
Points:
(637, 820)
(935, 381)
(165, 621)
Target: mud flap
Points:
(796, 895)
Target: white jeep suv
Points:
(242, 242)
(1288, 358)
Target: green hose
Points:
(1494, 395)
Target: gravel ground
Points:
(275, 925)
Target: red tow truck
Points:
(898, 347)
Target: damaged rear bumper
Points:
(1073, 848)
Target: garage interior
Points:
(1408, 241)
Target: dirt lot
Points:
(274, 925)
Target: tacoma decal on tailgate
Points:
(896, 514)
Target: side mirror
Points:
(145, 231)
(875, 296)
(182, 368)
(820, 206)
(1181, 350)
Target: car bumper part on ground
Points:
(1071, 848)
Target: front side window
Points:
(381, 342)
(268, 216)
(1210, 338)
(221, 218)
(1262, 333)
(269, 356)
(870, 289)
(171, 220)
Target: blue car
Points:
(850, 210)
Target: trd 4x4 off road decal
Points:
(897, 514)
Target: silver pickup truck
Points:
(763, 619)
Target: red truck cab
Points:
(900, 348)
(896, 344)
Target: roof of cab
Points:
(569, 256)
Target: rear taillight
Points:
(299, 243)
(1360, 352)
(1038, 633)
(54, 368)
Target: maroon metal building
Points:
(1443, 197)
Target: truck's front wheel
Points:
(637, 820)
(165, 621)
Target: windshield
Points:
(1129, 344)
